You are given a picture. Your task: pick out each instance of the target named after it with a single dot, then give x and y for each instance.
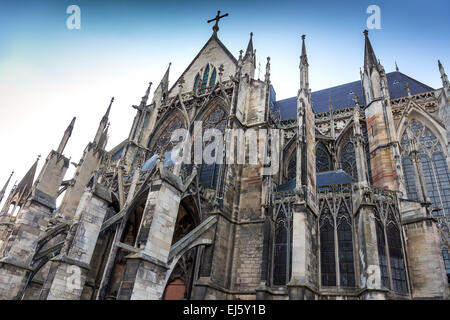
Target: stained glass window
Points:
(348, 158)
(209, 173)
(212, 81)
(345, 248)
(292, 166)
(280, 252)
(163, 142)
(323, 161)
(327, 249)
(196, 82)
(205, 77)
(336, 232)
(435, 171)
(381, 246)
(398, 273)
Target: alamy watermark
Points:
(233, 146)
(374, 20)
(74, 19)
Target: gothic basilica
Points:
(358, 207)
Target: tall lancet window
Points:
(215, 119)
(337, 267)
(205, 77)
(408, 170)
(345, 243)
(348, 158)
(398, 272)
(292, 166)
(390, 247)
(381, 247)
(212, 81)
(327, 247)
(280, 255)
(323, 161)
(435, 172)
(196, 82)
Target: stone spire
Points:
(370, 60)
(3, 191)
(66, 136)
(25, 185)
(249, 51)
(444, 77)
(162, 90)
(304, 67)
(103, 124)
(249, 61)
(396, 67)
(146, 95)
(106, 116)
(267, 75)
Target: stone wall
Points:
(426, 265)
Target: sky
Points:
(49, 73)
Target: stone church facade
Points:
(358, 208)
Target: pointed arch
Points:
(327, 246)
(345, 247)
(398, 272)
(197, 82)
(212, 80)
(414, 112)
(160, 139)
(381, 248)
(323, 158)
(205, 77)
(280, 258)
(214, 115)
(347, 155)
(289, 159)
(431, 154)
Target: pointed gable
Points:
(213, 52)
(25, 185)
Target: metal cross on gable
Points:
(217, 18)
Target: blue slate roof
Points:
(289, 185)
(342, 96)
(322, 179)
(117, 154)
(333, 177)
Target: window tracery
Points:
(419, 138)
(163, 143)
(323, 160)
(280, 265)
(205, 78)
(336, 242)
(216, 119)
(327, 247)
(348, 158)
(390, 247)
